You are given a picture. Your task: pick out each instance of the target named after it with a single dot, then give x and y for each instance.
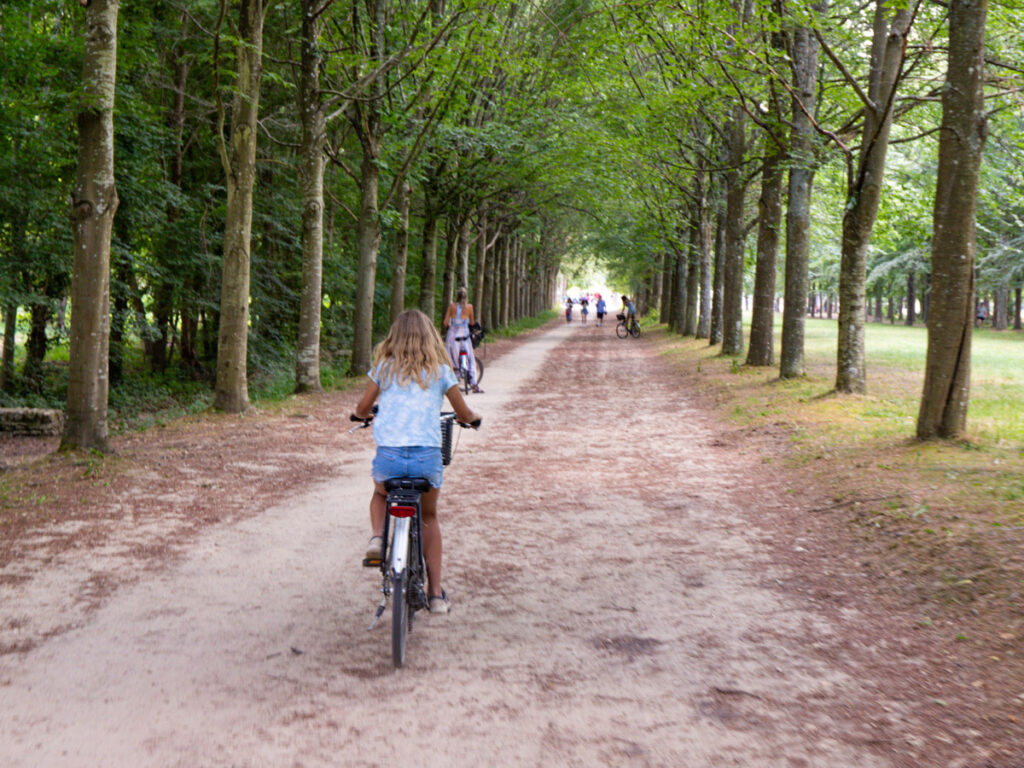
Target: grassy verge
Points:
(947, 517)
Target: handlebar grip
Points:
(353, 417)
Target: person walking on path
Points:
(412, 377)
(584, 309)
(601, 307)
(457, 319)
(568, 310)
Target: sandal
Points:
(477, 390)
(440, 603)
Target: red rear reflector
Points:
(398, 511)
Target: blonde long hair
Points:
(412, 351)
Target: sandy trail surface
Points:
(614, 603)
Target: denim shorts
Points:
(408, 461)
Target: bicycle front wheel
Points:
(399, 617)
(620, 330)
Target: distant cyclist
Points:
(457, 320)
(629, 311)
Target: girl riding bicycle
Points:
(411, 375)
(457, 319)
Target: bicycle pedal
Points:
(369, 562)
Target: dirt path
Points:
(614, 603)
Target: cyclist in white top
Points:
(457, 319)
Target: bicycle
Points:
(402, 565)
(462, 368)
(632, 329)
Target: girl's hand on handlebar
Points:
(474, 424)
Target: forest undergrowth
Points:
(940, 525)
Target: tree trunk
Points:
(864, 192)
(678, 311)
(311, 180)
(667, 272)
(1016, 309)
(451, 249)
(481, 265)
(462, 263)
(7, 361)
(239, 160)
(718, 281)
(692, 270)
(950, 315)
(400, 260)
(769, 222)
(735, 189)
(368, 239)
(428, 268)
(1000, 310)
(93, 204)
(506, 255)
(911, 300)
(704, 256)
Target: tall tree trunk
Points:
(368, 239)
(677, 314)
(718, 280)
(400, 261)
(692, 271)
(1000, 308)
(481, 265)
(769, 222)
(506, 255)
(311, 180)
(428, 264)
(7, 360)
(704, 260)
(911, 300)
(1016, 309)
(667, 272)
(37, 341)
(462, 263)
(950, 315)
(864, 192)
(451, 249)
(735, 189)
(93, 204)
(239, 159)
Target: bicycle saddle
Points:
(419, 484)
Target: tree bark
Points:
(735, 189)
(428, 263)
(368, 239)
(311, 180)
(864, 192)
(451, 249)
(1000, 308)
(667, 272)
(693, 268)
(7, 360)
(769, 222)
(718, 281)
(677, 311)
(93, 204)
(481, 264)
(462, 263)
(946, 393)
(911, 300)
(400, 260)
(1016, 309)
(239, 159)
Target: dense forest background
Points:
(303, 170)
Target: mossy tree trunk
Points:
(93, 204)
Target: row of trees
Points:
(776, 93)
(290, 175)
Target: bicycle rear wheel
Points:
(620, 330)
(479, 370)
(399, 617)
(634, 330)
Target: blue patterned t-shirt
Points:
(407, 414)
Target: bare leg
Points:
(378, 509)
(432, 540)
